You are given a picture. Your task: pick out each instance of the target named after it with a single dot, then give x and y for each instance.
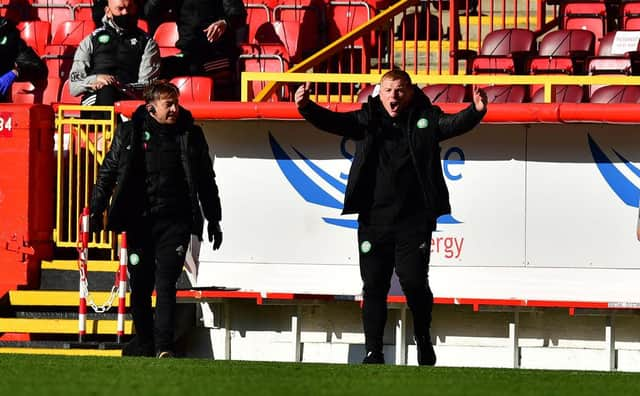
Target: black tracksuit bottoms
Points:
(161, 244)
(407, 249)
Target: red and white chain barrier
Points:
(119, 288)
(122, 285)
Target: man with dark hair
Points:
(116, 60)
(397, 188)
(18, 61)
(207, 39)
(161, 177)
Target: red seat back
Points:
(194, 88)
(36, 34)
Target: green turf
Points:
(64, 375)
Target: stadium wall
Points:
(545, 207)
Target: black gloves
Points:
(215, 234)
(95, 223)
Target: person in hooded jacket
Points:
(397, 188)
(116, 60)
(160, 178)
(18, 61)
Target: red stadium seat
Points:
(444, 93)
(615, 57)
(66, 97)
(365, 92)
(36, 34)
(630, 15)
(504, 51)
(563, 52)
(616, 94)
(309, 14)
(71, 32)
(264, 58)
(561, 94)
(506, 93)
(257, 14)
(59, 59)
(194, 88)
(583, 15)
(55, 12)
(26, 92)
(343, 17)
(166, 36)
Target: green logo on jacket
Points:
(423, 123)
(103, 38)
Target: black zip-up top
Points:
(426, 126)
(122, 174)
(118, 53)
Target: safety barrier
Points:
(81, 144)
(119, 288)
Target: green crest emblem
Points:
(3, 40)
(134, 259)
(365, 247)
(104, 38)
(423, 123)
(147, 136)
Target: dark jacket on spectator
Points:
(193, 16)
(16, 54)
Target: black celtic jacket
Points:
(117, 177)
(427, 125)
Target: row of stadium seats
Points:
(442, 93)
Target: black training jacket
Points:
(117, 175)
(427, 125)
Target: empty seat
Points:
(54, 12)
(65, 95)
(563, 52)
(45, 92)
(444, 93)
(364, 93)
(166, 36)
(342, 18)
(504, 51)
(617, 56)
(194, 88)
(59, 59)
(590, 16)
(36, 34)
(264, 58)
(416, 25)
(506, 93)
(257, 14)
(71, 32)
(616, 94)
(309, 14)
(561, 94)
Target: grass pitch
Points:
(65, 375)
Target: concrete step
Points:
(61, 326)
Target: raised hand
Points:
(301, 96)
(479, 98)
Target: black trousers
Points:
(161, 244)
(407, 249)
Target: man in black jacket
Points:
(207, 40)
(397, 187)
(18, 61)
(160, 174)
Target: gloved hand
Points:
(95, 223)
(6, 80)
(215, 234)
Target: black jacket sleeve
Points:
(30, 66)
(451, 125)
(206, 179)
(348, 124)
(107, 174)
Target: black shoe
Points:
(165, 355)
(373, 358)
(426, 354)
(135, 347)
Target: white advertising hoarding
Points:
(538, 212)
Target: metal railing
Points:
(80, 144)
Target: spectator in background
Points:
(18, 61)
(207, 40)
(397, 188)
(160, 178)
(116, 60)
